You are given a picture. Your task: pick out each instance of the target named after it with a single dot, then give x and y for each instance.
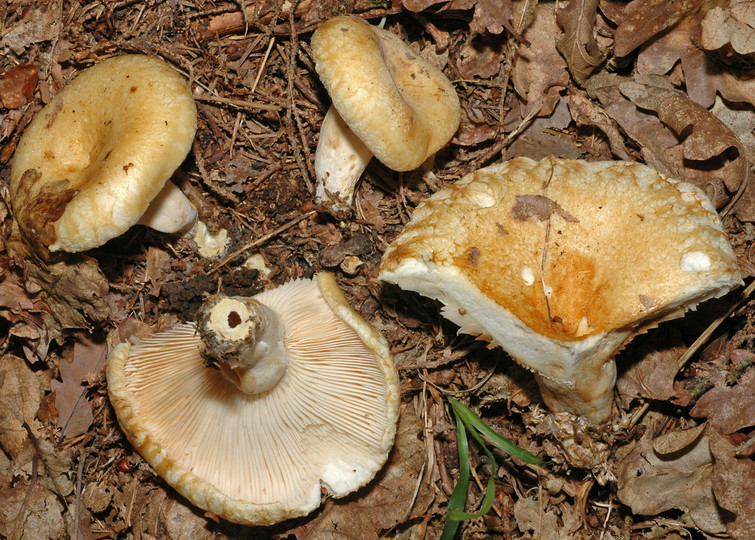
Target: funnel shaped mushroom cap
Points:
(398, 104)
(560, 262)
(93, 159)
(259, 459)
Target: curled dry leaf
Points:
(587, 112)
(579, 45)
(641, 20)
(731, 25)
(732, 484)
(729, 408)
(539, 72)
(489, 15)
(652, 377)
(672, 471)
(74, 291)
(689, 143)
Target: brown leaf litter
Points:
(668, 83)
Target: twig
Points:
(292, 113)
(259, 241)
(238, 103)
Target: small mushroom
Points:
(263, 403)
(96, 159)
(387, 102)
(561, 263)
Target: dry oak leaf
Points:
(704, 75)
(733, 479)
(31, 511)
(489, 15)
(734, 25)
(729, 408)
(74, 411)
(641, 20)
(74, 291)
(386, 501)
(579, 46)
(707, 143)
(539, 73)
(20, 396)
(531, 516)
(672, 471)
(652, 377)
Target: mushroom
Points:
(561, 263)
(262, 403)
(386, 101)
(97, 158)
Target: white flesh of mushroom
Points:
(170, 212)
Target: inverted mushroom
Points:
(96, 160)
(252, 411)
(561, 262)
(387, 102)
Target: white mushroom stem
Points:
(245, 339)
(340, 160)
(170, 212)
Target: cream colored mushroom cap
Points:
(402, 107)
(92, 160)
(259, 459)
(560, 260)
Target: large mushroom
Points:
(263, 403)
(386, 101)
(98, 157)
(561, 263)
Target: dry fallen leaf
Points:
(489, 15)
(644, 19)
(729, 408)
(534, 516)
(652, 377)
(74, 410)
(539, 72)
(704, 74)
(732, 484)
(579, 46)
(18, 85)
(731, 25)
(20, 396)
(31, 511)
(672, 471)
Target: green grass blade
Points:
(458, 497)
(475, 424)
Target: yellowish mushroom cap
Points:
(94, 158)
(387, 102)
(560, 262)
(329, 423)
(401, 106)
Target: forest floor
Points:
(669, 84)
